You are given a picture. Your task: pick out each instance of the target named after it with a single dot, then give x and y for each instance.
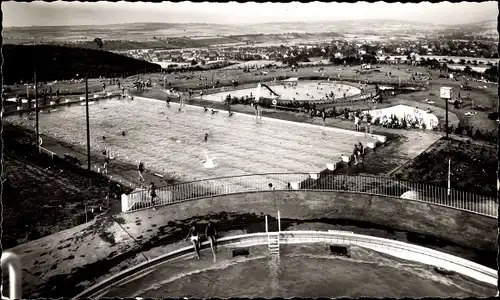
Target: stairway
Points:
(273, 243)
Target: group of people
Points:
(211, 235)
(358, 154)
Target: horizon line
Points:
(257, 23)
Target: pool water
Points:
(169, 141)
(305, 90)
(301, 271)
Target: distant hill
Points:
(188, 35)
(57, 63)
(146, 31)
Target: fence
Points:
(382, 186)
(46, 151)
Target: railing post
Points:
(266, 225)
(279, 222)
(12, 262)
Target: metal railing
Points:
(373, 185)
(12, 263)
(396, 248)
(46, 151)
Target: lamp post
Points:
(36, 115)
(449, 176)
(87, 119)
(446, 93)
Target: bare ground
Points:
(473, 166)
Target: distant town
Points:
(479, 54)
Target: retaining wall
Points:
(463, 228)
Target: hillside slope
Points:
(57, 63)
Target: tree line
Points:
(57, 62)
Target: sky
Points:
(58, 13)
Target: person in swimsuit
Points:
(106, 163)
(152, 193)
(141, 171)
(355, 154)
(211, 235)
(361, 150)
(194, 236)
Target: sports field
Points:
(172, 142)
(304, 91)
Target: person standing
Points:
(211, 235)
(106, 162)
(355, 154)
(361, 150)
(152, 193)
(194, 235)
(141, 170)
(356, 121)
(369, 122)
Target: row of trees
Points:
(57, 62)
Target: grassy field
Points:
(473, 167)
(192, 79)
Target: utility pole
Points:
(28, 94)
(88, 125)
(446, 118)
(449, 176)
(36, 115)
(446, 93)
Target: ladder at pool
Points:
(273, 238)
